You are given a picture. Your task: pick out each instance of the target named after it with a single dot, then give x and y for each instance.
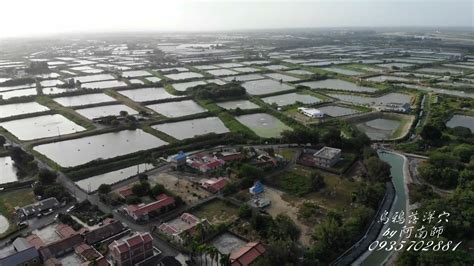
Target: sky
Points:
(31, 18)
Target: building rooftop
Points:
(327, 153)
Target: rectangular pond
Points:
(92, 183)
(337, 84)
(85, 99)
(191, 128)
(244, 77)
(265, 86)
(242, 104)
(278, 76)
(7, 170)
(264, 125)
(393, 97)
(147, 94)
(14, 109)
(184, 75)
(291, 98)
(41, 127)
(343, 71)
(104, 146)
(92, 78)
(177, 109)
(18, 93)
(104, 84)
(222, 72)
(185, 85)
(135, 73)
(106, 110)
(337, 111)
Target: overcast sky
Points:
(20, 18)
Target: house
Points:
(132, 250)
(327, 157)
(60, 247)
(65, 231)
(89, 254)
(204, 162)
(125, 192)
(311, 112)
(25, 257)
(182, 228)
(35, 241)
(111, 230)
(180, 158)
(37, 208)
(247, 254)
(228, 156)
(214, 185)
(143, 212)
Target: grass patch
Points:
(159, 134)
(10, 200)
(217, 211)
(296, 181)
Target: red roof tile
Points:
(145, 209)
(247, 254)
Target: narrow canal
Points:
(397, 165)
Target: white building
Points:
(311, 112)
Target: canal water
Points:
(380, 257)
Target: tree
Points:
(105, 189)
(284, 228)
(123, 113)
(245, 211)
(141, 189)
(47, 177)
(157, 190)
(2, 141)
(317, 182)
(431, 133)
(377, 169)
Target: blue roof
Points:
(181, 155)
(257, 188)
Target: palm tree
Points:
(225, 260)
(213, 253)
(202, 250)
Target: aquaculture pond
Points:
(264, 125)
(379, 128)
(242, 104)
(106, 110)
(337, 111)
(7, 170)
(461, 121)
(184, 75)
(104, 146)
(92, 183)
(147, 94)
(14, 109)
(393, 97)
(291, 98)
(104, 84)
(177, 109)
(191, 128)
(41, 127)
(265, 86)
(85, 99)
(184, 85)
(337, 84)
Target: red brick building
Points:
(132, 250)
